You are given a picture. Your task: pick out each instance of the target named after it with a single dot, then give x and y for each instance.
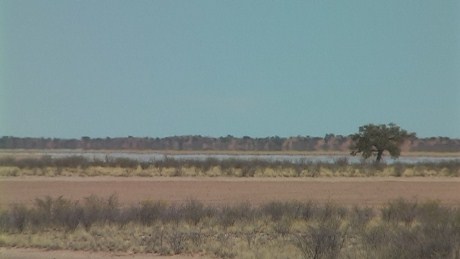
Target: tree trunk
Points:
(379, 156)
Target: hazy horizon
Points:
(113, 68)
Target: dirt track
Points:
(346, 191)
(32, 253)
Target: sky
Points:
(114, 68)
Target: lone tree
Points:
(373, 140)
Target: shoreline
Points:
(7, 152)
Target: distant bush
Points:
(225, 167)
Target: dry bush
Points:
(215, 167)
(195, 211)
(230, 215)
(323, 241)
(400, 211)
(400, 229)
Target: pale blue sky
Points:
(257, 68)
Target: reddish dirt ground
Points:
(32, 253)
(343, 191)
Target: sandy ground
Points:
(370, 191)
(26, 253)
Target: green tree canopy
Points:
(373, 140)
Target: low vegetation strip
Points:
(399, 229)
(81, 166)
(329, 142)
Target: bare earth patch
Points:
(28, 253)
(370, 191)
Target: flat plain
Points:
(363, 191)
(214, 189)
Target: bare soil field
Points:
(372, 191)
(31, 253)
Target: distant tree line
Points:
(329, 142)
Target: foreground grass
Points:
(80, 166)
(400, 229)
